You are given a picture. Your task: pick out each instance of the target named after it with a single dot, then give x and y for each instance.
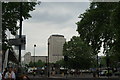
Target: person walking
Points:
(0, 76)
(4, 72)
(10, 75)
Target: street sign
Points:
(23, 42)
(18, 41)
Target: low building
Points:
(28, 58)
(37, 58)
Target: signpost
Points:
(1, 36)
(18, 41)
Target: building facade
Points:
(37, 58)
(28, 58)
(55, 47)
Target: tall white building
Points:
(55, 47)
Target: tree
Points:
(95, 26)
(116, 24)
(100, 24)
(103, 61)
(61, 63)
(114, 57)
(31, 64)
(11, 17)
(79, 54)
(39, 63)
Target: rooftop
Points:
(58, 35)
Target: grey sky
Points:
(52, 18)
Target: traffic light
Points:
(65, 58)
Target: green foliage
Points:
(37, 64)
(114, 57)
(31, 64)
(11, 17)
(95, 25)
(60, 63)
(100, 24)
(103, 61)
(79, 54)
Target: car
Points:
(30, 70)
(102, 73)
(105, 73)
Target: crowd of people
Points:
(11, 73)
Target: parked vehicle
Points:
(102, 73)
(105, 73)
(30, 70)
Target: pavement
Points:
(72, 77)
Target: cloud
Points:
(40, 32)
(51, 18)
(53, 12)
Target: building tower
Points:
(55, 47)
(27, 58)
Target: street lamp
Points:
(20, 33)
(48, 60)
(20, 36)
(34, 54)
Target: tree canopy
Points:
(79, 54)
(61, 63)
(100, 24)
(11, 17)
(39, 63)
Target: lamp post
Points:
(34, 54)
(20, 32)
(20, 35)
(97, 65)
(48, 60)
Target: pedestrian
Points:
(97, 72)
(16, 73)
(0, 76)
(4, 72)
(24, 77)
(94, 74)
(34, 72)
(41, 72)
(10, 75)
